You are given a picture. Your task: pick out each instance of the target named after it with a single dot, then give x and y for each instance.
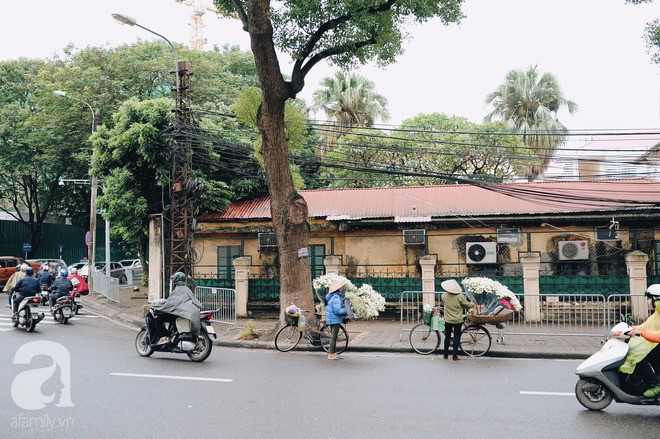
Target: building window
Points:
(226, 254)
(316, 257)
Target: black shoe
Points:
(445, 356)
(14, 317)
(455, 358)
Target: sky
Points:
(593, 47)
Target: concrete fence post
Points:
(428, 278)
(332, 264)
(636, 262)
(242, 279)
(531, 265)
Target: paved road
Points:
(255, 393)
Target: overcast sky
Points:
(594, 47)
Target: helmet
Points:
(653, 292)
(25, 267)
(29, 270)
(179, 277)
(18, 267)
(64, 273)
(74, 270)
(45, 267)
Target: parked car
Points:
(8, 267)
(116, 270)
(54, 264)
(78, 266)
(135, 265)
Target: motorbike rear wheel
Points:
(59, 317)
(142, 344)
(592, 394)
(202, 349)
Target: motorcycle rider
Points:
(28, 286)
(183, 304)
(44, 276)
(82, 287)
(61, 287)
(15, 277)
(643, 359)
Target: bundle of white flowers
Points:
(365, 301)
(483, 289)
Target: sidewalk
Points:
(364, 336)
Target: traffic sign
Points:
(88, 239)
(27, 247)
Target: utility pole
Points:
(181, 212)
(94, 181)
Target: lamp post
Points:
(123, 19)
(91, 250)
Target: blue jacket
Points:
(334, 310)
(62, 286)
(45, 278)
(28, 286)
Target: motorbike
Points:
(26, 317)
(63, 309)
(146, 342)
(600, 381)
(44, 295)
(77, 305)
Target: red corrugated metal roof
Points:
(462, 200)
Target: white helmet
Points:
(45, 267)
(74, 270)
(653, 292)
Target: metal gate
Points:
(221, 299)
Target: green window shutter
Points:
(226, 254)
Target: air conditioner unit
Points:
(481, 252)
(573, 250)
(414, 237)
(267, 240)
(607, 233)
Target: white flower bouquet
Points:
(490, 294)
(366, 302)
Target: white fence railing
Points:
(221, 299)
(588, 315)
(106, 285)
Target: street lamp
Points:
(123, 19)
(91, 250)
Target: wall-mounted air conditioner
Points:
(414, 237)
(573, 250)
(267, 240)
(481, 252)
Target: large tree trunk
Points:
(288, 209)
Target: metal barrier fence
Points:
(585, 315)
(222, 299)
(106, 285)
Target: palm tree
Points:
(349, 100)
(529, 104)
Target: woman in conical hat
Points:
(454, 301)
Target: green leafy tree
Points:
(429, 149)
(345, 34)
(39, 142)
(348, 100)
(134, 159)
(528, 102)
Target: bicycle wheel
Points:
(342, 339)
(475, 340)
(423, 340)
(287, 338)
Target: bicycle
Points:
(475, 339)
(290, 335)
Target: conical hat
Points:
(451, 286)
(336, 284)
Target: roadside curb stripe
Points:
(171, 377)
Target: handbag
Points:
(349, 310)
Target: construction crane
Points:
(197, 41)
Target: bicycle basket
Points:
(291, 319)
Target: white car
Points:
(116, 270)
(135, 265)
(54, 264)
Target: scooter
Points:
(26, 317)
(63, 309)
(77, 306)
(44, 294)
(159, 324)
(599, 381)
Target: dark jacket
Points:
(62, 286)
(45, 278)
(182, 303)
(334, 311)
(28, 286)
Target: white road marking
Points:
(171, 377)
(526, 392)
(5, 329)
